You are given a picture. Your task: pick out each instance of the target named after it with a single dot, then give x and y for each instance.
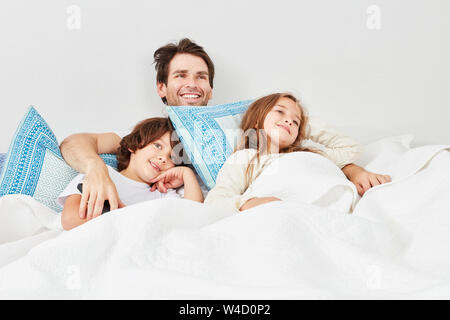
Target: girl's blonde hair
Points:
(254, 136)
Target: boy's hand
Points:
(170, 179)
(363, 179)
(253, 202)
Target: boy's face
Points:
(187, 82)
(282, 122)
(150, 161)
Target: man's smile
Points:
(191, 97)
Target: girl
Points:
(272, 125)
(144, 157)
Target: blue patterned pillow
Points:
(2, 160)
(209, 135)
(34, 165)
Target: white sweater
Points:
(231, 180)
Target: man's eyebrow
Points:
(187, 71)
(180, 71)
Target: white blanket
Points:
(308, 178)
(396, 244)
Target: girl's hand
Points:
(253, 202)
(170, 179)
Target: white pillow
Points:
(381, 155)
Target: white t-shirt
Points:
(130, 191)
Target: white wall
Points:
(372, 82)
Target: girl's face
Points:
(282, 123)
(147, 163)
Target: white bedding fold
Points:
(394, 245)
(308, 178)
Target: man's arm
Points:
(81, 151)
(339, 148)
(343, 151)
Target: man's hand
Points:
(253, 202)
(98, 187)
(363, 179)
(81, 151)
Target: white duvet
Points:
(395, 244)
(308, 178)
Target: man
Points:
(185, 75)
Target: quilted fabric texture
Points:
(34, 165)
(208, 134)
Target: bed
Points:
(394, 244)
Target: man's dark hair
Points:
(165, 54)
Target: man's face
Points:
(187, 82)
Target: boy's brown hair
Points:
(143, 133)
(165, 54)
